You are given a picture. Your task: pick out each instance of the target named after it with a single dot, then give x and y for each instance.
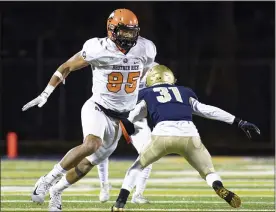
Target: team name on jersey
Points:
(125, 68)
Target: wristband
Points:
(237, 121)
(48, 90)
(60, 76)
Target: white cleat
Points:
(40, 191)
(104, 194)
(55, 201)
(139, 199)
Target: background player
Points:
(139, 141)
(117, 61)
(170, 109)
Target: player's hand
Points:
(39, 101)
(137, 129)
(247, 127)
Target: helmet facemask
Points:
(124, 36)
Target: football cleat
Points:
(104, 193)
(40, 191)
(55, 203)
(114, 209)
(231, 198)
(119, 206)
(139, 199)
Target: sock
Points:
(142, 180)
(55, 174)
(103, 171)
(132, 176)
(61, 185)
(122, 198)
(211, 178)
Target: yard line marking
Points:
(259, 167)
(132, 209)
(154, 180)
(149, 195)
(90, 188)
(221, 172)
(168, 186)
(159, 202)
(183, 172)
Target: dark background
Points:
(223, 50)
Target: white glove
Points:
(41, 99)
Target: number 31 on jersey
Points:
(165, 95)
(116, 79)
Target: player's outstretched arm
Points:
(215, 113)
(74, 63)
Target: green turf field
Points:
(173, 186)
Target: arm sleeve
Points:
(210, 112)
(90, 50)
(139, 112)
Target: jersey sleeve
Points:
(91, 49)
(192, 93)
(141, 95)
(150, 53)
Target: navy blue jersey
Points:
(167, 103)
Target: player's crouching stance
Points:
(170, 109)
(139, 141)
(117, 61)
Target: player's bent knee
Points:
(91, 144)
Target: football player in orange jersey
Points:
(118, 62)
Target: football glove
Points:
(247, 127)
(39, 101)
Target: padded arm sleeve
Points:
(139, 112)
(211, 112)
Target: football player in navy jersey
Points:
(170, 109)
